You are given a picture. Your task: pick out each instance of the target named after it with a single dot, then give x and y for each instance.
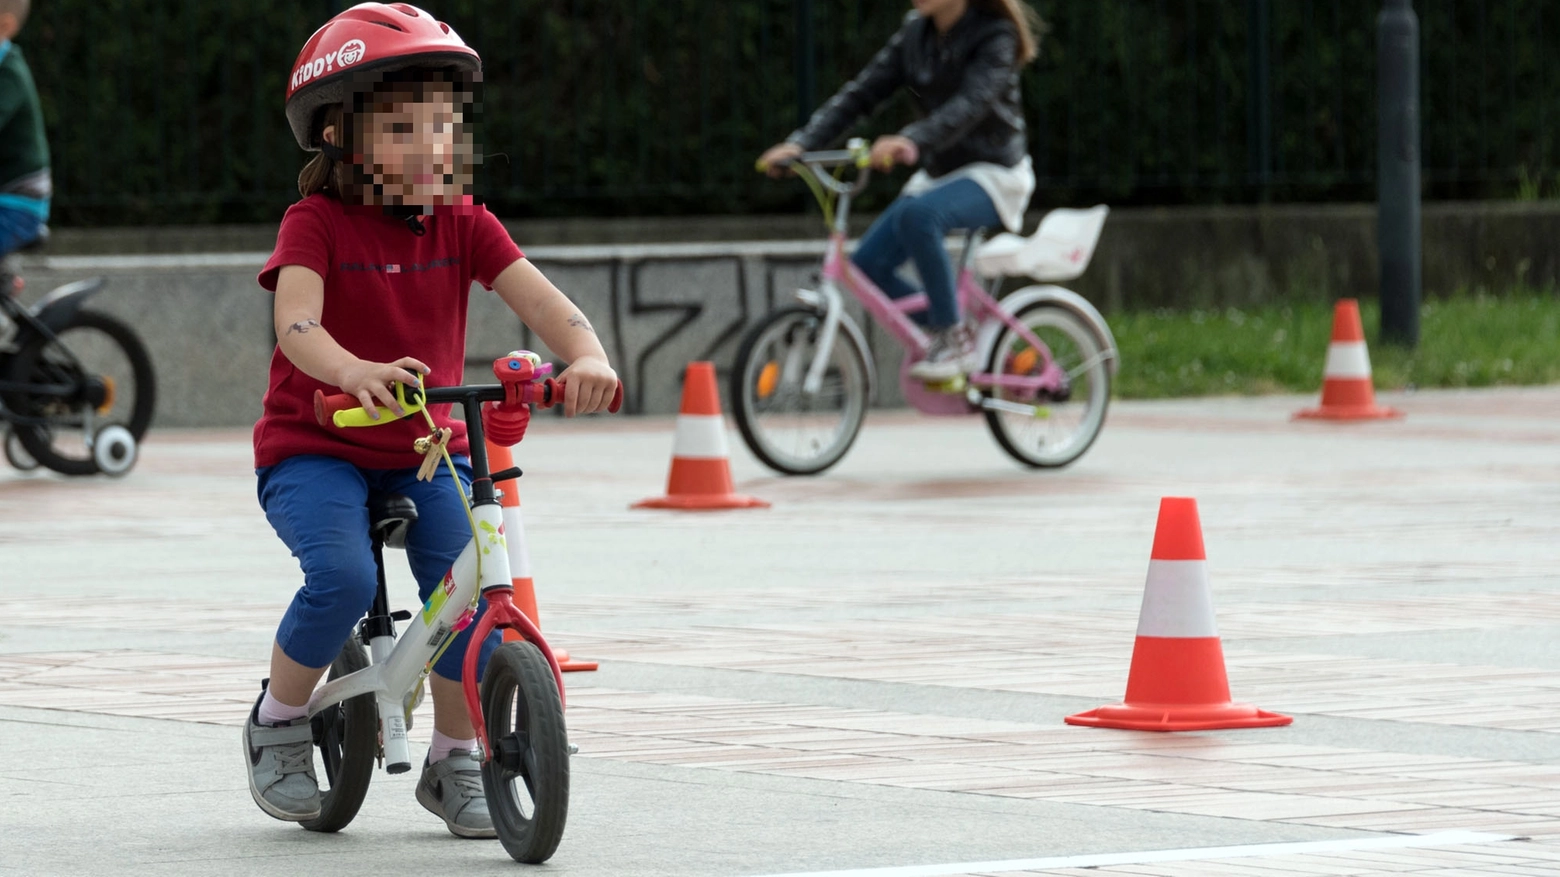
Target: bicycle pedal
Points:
(574, 749)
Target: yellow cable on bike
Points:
(360, 417)
(825, 199)
(476, 538)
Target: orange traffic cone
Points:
(1177, 680)
(1347, 392)
(701, 470)
(499, 459)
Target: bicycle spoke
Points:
(1069, 424)
(1088, 364)
(787, 423)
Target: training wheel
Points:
(114, 450)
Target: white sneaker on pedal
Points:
(950, 354)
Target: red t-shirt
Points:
(388, 294)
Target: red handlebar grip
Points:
(326, 406)
(558, 388)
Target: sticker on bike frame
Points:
(495, 536)
(436, 600)
(439, 635)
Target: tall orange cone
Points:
(499, 459)
(1177, 680)
(701, 468)
(1347, 392)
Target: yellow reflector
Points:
(108, 395)
(768, 379)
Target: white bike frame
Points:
(395, 668)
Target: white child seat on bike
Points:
(1060, 249)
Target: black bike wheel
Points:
(791, 431)
(111, 373)
(346, 740)
(526, 776)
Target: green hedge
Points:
(171, 110)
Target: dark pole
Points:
(806, 61)
(1259, 97)
(1398, 237)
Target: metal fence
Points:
(647, 107)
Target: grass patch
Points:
(1466, 341)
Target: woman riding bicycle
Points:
(960, 61)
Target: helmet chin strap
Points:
(409, 214)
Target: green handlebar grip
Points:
(342, 410)
(359, 417)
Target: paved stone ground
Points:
(872, 674)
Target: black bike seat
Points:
(389, 516)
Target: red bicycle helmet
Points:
(369, 37)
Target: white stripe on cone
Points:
(1176, 601)
(700, 437)
(514, 538)
(1347, 359)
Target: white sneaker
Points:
(950, 354)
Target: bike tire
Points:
(346, 738)
(1090, 346)
(32, 363)
(849, 361)
(17, 455)
(523, 715)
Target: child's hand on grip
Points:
(589, 385)
(373, 382)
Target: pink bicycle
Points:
(803, 377)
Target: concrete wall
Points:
(208, 324)
(660, 305)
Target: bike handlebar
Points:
(858, 153)
(343, 410)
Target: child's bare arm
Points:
(300, 299)
(565, 331)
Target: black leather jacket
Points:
(964, 82)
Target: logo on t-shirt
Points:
(397, 268)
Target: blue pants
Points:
(18, 228)
(913, 227)
(319, 506)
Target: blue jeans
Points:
(319, 506)
(18, 228)
(913, 227)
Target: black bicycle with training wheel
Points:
(77, 387)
